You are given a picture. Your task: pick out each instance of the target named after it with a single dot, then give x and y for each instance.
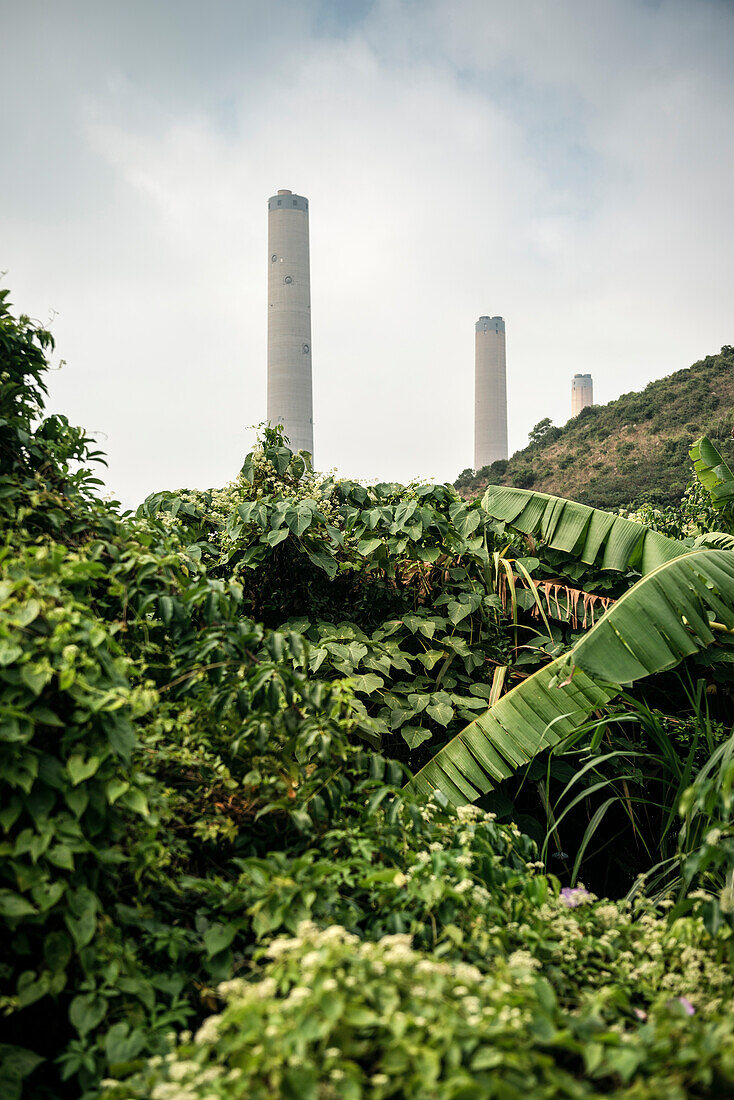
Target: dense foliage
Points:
(208, 714)
(630, 452)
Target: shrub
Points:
(70, 791)
(524, 477)
(335, 1017)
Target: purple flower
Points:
(687, 1006)
(574, 895)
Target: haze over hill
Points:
(633, 450)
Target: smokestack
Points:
(290, 396)
(582, 393)
(490, 392)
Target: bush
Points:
(333, 1016)
(524, 477)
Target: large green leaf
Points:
(536, 714)
(594, 536)
(662, 619)
(713, 473)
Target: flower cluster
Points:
(332, 1016)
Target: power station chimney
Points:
(290, 396)
(490, 392)
(582, 393)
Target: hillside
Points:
(634, 449)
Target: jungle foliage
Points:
(220, 873)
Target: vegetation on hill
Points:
(633, 450)
(223, 872)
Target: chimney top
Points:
(285, 191)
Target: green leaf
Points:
(61, 856)
(248, 470)
(115, 788)
(9, 653)
(272, 538)
(57, 950)
(415, 735)
(218, 937)
(368, 546)
(13, 905)
(121, 1045)
(441, 713)
(35, 677)
(25, 615)
(80, 769)
(596, 537)
(280, 458)
(77, 800)
(367, 683)
(136, 801)
(31, 987)
(300, 519)
(431, 657)
(16, 1063)
(81, 920)
(713, 473)
(459, 609)
(662, 619)
(46, 894)
(323, 561)
(87, 1011)
(428, 554)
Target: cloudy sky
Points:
(568, 164)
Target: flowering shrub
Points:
(336, 1018)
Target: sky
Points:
(565, 164)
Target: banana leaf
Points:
(594, 536)
(715, 540)
(663, 618)
(713, 473)
(536, 714)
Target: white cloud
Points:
(567, 167)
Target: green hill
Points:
(633, 450)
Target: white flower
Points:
(398, 939)
(209, 1030)
(179, 1071)
(227, 989)
(298, 993)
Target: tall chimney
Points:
(290, 394)
(490, 392)
(582, 393)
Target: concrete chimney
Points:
(582, 393)
(490, 392)
(290, 394)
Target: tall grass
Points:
(631, 763)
